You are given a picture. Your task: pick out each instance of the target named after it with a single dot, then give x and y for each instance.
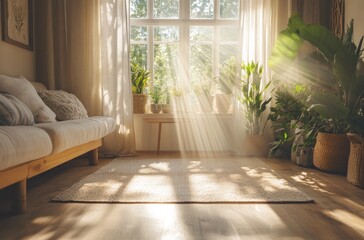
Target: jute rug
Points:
(211, 180)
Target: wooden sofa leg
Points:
(93, 157)
(19, 201)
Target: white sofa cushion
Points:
(21, 144)
(71, 133)
(25, 92)
(14, 112)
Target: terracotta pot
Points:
(331, 152)
(223, 102)
(155, 108)
(139, 103)
(255, 146)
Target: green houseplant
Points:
(156, 94)
(289, 105)
(225, 82)
(254, 102)
(338, 109)
(139, 78)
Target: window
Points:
(184, 41)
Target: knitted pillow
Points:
(65, 105)
(14, 112)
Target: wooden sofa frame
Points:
(18, 175)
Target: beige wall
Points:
(16, 61)
(354, 10)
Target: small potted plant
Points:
(254, 103)
(139, 78)
(179, 100)
(166, 105)
(225, 82)
(155, 98)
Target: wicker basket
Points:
(356, 160)
(139, 103)
(331, 152)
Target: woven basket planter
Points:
(331, 152)
(139, 103)
(356, 160)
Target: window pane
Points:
(165, 9)
(165, 63)
(229, 34)
(227, 51)
(198, 34)
(201, 65)
(166, 33)
(229, 9)
(138, 54)
(138, 8)
(202, 8)
(138, 33)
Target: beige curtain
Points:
(261, 21)
(68, 51)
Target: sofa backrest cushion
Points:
(66, 105)
(22, 89)
(14, 112)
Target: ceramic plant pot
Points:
(155, 108)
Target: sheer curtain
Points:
(261, 20)
(74, 53)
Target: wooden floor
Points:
(338, 212)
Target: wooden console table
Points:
(160, 121)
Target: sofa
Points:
(31, 148)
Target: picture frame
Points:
(17, 23)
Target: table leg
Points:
(159, 137)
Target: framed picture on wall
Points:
(17, 22)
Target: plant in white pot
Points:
(254, 100)
(139, 78)
(225, 82)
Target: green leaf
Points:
(285, 51)
(323, 39)
(328, 105)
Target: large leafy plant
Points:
(340, 108)
(253, 96)
(139, 78)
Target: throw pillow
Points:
(22, 89)
(66, 105)
(14, 112)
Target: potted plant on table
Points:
(139, 78)
(155, 98)
(254, 103)
(225, 82)
(339, 109)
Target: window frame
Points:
(184, 22)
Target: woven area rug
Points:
(210, 180)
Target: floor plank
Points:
(338, 211)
